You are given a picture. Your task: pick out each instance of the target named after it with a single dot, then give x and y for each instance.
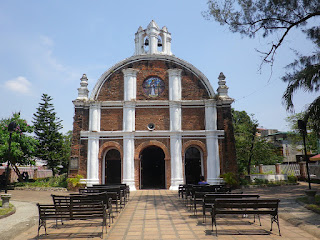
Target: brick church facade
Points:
(152, 121)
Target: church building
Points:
(152, 121)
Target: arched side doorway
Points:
(112, 167)
(193, 165)
(152, 169)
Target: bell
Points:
(146, 43)
(159, 43)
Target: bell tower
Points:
(153, 40)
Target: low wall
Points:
(269, 177)
(33, 172)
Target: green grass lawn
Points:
(314, 207)
(4, 211)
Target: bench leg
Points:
(213, 217)
(276, 220)
(42, 223)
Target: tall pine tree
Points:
(46, 128)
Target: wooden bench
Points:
(245, 207)
(118, 189)
(113, 194)
(209, 198)
(62, 201)
(81, 210)
(123, 186)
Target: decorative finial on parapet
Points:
(83, 90)
(222, 89)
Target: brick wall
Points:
(80, 122)
(228, 159)
(193, 119)
(158, 116)
(112, 89)
(111, 120)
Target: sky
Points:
(46, 46)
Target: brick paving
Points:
(159, 214)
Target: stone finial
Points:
(153, 24)
(83, 90)
(222, 89)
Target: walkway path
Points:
(159, 214)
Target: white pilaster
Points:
(128, 161)
(211, 115)
(176, 161)
(92, 161)
(213, 161)
(174, 84)
(129, 117)
(175, 116)
(94, 117)
(130, 84)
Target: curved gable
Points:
(192, 78)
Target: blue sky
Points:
(46, 46)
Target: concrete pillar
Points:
(176, 162)
(278, 168)
(211, 115)
(94, 117)
(128, 161)
(93, 161)
(261, 168)
(213, 160)
(303, 170)
(174, 84)
(129, 117)
(130, 84)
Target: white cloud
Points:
(19, 85)
(46, 41)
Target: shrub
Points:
(57, 181)
(230, 178)
(75, 182)
(258, 181)
(292, 179)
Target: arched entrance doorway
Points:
(113, 167)
(152, 168)
(193, 168)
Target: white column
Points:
(128, 161)
(94, 117)
(174, 84)
(130, 84)
(175, 117)
(211, 115)
(129, 117)
(213, 160)
(176, 161)
(92, 161)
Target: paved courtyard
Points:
(159, 214)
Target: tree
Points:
(278, 18)
(251, 149)
(66, 151)
(23, 146)
(46, 129)
(295, 137)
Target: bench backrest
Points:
(77, 210)
(257, 205)
(210, 198)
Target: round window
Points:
(153, 86)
